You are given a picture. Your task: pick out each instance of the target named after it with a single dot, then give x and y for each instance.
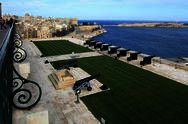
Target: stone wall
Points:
(158, 60)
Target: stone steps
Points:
(60, 84)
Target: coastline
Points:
(155, 24)
(82, 36)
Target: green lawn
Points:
(136, 96)
(59, 47)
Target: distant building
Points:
(28, 18)
(44, 32)
(39, 27)
(30, 32)
(73, 21)
(61, 27)
(66, 20)
(65, 26)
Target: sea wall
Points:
(141, 59)
(142, 56)
(158, 60)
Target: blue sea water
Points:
(163, 42)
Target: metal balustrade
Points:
(15, 90)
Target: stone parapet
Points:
(158, 60)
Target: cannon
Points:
(133, 56)
(104, 47)
(98, 45)
(84, 83)
(92, 43)
(112, 49)
(146, 60)
(122, 52)
(87, 42)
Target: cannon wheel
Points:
(89, 88)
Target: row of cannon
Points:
(120, 52)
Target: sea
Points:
(162, 42)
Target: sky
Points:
(155, 10)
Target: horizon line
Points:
(132, 20)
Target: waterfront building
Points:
(73, 21)
(39, 27)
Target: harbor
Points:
(93, 62)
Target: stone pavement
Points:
(60, 104)
(70, 56)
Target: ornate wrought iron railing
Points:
(15, 90)
(6, 77)
(26, 93)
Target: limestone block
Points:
(24, 69)
(62, 79)
(38, 118)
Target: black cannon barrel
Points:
(92, 43)
(104, 47)
(87, 42)
(146, 60)
(122, 52)
(133, 56)
(98, 45)
(79, 83)
(112, 49)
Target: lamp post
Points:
(77, 96)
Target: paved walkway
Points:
(70, 56)
(60, 104)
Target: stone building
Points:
(44, 32)
(38, 27)
(28, 18)
(73, 21)
(30, 32)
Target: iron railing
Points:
(6, 77)
(15, 90)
